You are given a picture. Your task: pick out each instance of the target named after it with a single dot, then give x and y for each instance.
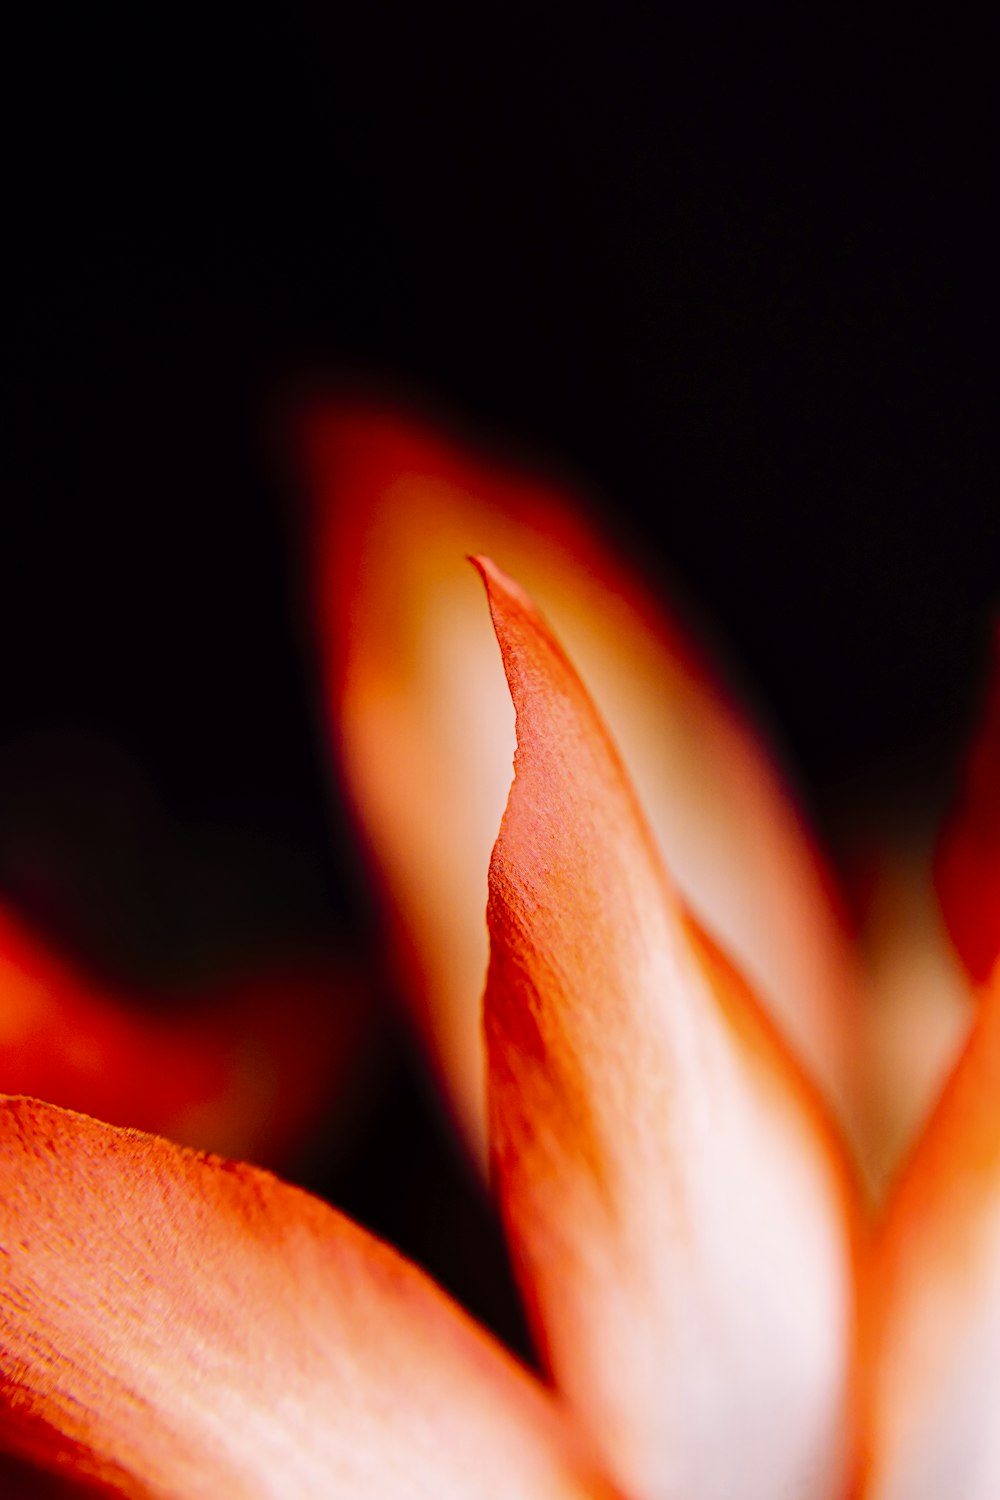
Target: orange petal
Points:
(679, 1213)
(247, 1069)
(425, 732)
(932, 1325)
(967, 871)
(183, 1326)
(920, 1004)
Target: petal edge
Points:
(682, 1219)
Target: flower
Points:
(683, 1216)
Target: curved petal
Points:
(967, 869)
(183, 1326)
(247, 1069)
(920, 1005)
(425, 733)
(932, 1325)
(680, 1216)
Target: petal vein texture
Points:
(680, 1216)
(176, 1325)
(425, 737)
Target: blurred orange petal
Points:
(680, 1215)
(932, 1355)
(248, 1069)
(967, 869)
(425, 734)
(182, 1326)
(920, 1003)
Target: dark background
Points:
(736, 276)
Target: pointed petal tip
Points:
(500, 586)
(611, 1037)
(409, 663)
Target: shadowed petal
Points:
(20, 1479)
(920, 1003)
(679, 1214)
(933, 1308)
(246, 1069)
(184, 1326)
(425, 732)
(967, 870)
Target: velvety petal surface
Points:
(179, 1325)
(247, 1069)
(968, 858)
(425, 733)
(932, 1347)
(679, 1213)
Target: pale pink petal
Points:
(679, 1212)
(932, 1343)
(425, 732)
(182, 1326)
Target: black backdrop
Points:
(737, 276)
